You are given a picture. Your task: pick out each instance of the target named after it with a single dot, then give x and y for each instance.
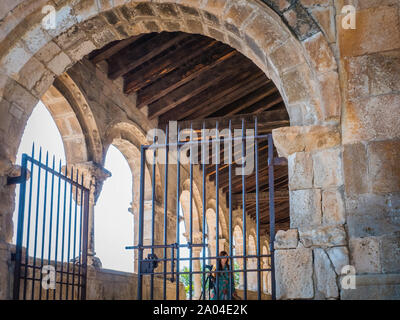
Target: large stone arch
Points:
(284, 42)
(294, 63)
(74, 120)
(128, 138)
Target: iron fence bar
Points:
(178, 171)
(181, 143)
(85, 240)
(271, 211)
(44, 222)
(69, 234)
(257, 212)
(217, 207)
(173, 246)
(191, 216)
(36, 226)
(165, 212)
(244, 210)
(172, 264)
(80, 242)
(204, 211)
(158, 246)
(232, 264)
(141, 219)
(29, 217)
(20, 227)
(57, 226)
(51, 218)
(153, 194)
(220, 271)
(74, 249)
(63, 231)
(55, 172)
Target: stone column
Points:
(309, 257)
(197, 284)
(94, 176)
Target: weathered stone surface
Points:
(325, 17)
(325, 275)
(383, 166)
(330, 95)
(390, 253)
(295, 84)
(355, 168)
(300, 171)
(374, 287)
(4, 272)
(289, 140)
(339, 257)
(305, 208)
(286, 56)
(371, 119)
(286, 239)
(294, 270)
(373, 74)
(329, 236)
(371, 34)
(333, 210)
(372, 215)
(328, 168)
(365, 255)
(301, 22)
(320, 54)
(59, 63)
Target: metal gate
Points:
(166, 266)
(52, 232)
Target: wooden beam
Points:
(193, 88)
(112, 49)
(137, 54)
(226, 98)
(163, 64)
(184, 74)
(211, 95)
(246, 101)
(262, 196)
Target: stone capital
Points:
(93, 175)
(289, 140)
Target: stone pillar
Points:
(197, 284)
(309, 257)
(94, 177)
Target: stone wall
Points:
(370, 64)
(341, 89)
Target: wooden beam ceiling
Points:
(191, 79)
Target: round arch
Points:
(251, 27)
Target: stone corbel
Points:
(289, 140)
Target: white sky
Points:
(113, 222)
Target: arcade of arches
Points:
(111, 70)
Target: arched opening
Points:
(259, 39)
(113, 221)
(252, 264)
(41, 130)
(238, 251)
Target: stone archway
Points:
(290, 54)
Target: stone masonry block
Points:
(305, 208)
(328, 168)
(300, 171)
(294, 269)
